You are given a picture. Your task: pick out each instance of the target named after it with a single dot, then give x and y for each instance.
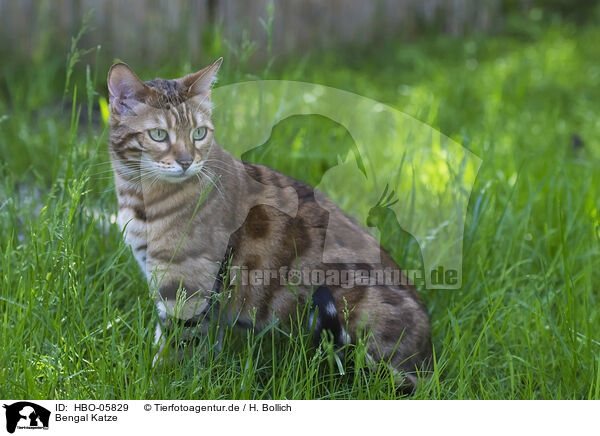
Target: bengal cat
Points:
(191, 212)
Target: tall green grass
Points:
(77, 318)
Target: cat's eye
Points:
(199, 134)
(158, 135)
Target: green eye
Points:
(158, 135)
(199, 134)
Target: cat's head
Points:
(161, 127)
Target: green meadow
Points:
(76, 314)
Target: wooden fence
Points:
(152, 28)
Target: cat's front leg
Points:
(160, 333)
(191, 329)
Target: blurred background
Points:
(517, 82)
(155, 30)
(444, 62)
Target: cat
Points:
(193, 214)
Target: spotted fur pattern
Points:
(183, 224)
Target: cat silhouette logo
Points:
(26, 415)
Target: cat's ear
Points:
(124, 85)
(199, 83)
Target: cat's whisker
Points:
(109, 170)
(214, 175)
(139, 178)
(156, 179)
(219, 166)
(199, 177)
(209, 176)
(204, 182)
(229, 169)
(206, 178)
(220, 173)
(215, 159)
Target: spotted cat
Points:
(192, 212)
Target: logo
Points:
(26, 415)
(402, 179)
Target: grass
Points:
(76, 314)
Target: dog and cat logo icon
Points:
(26, 415)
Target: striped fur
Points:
(182, 225)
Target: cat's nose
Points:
(184, 162)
